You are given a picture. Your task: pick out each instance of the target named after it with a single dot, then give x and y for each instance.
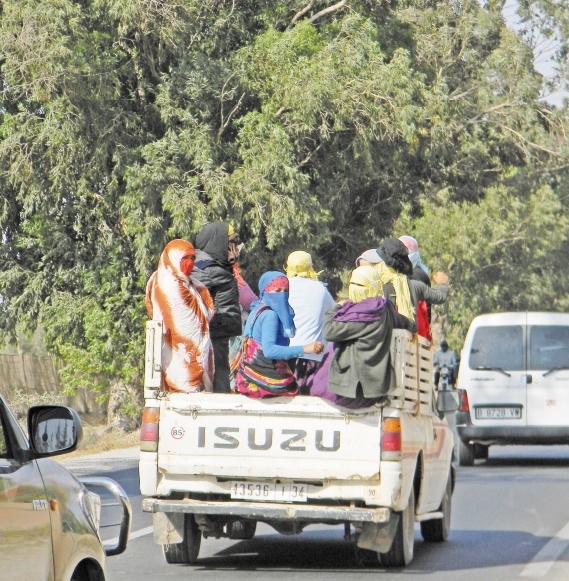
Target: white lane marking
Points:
(542, 562)
(135, 535)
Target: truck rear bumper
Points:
(504, 435)
(269, 511)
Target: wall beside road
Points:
(30, 377)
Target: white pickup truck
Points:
(213, 465)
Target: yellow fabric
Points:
(400, 285)
(230, 230)
(299, 263)
(365, 283)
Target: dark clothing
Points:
(304, 370)
(213, 239)
(420, 275)
(451, 376)
(389, 292)
(421, 292)
(446, 359)
(395, 254)
(318, 384)
(212, 269)
(362, 347)
(221, 382)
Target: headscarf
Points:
(413, 247)
(401, 287)
(299, 263)
(185, 307)
(365, 283)
(276, 301)
(213, 239)
(395, 254)
(370, 255)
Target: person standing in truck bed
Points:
(216, 251)
(185, 308)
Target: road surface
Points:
(510, 520)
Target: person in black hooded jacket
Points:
(216, 251)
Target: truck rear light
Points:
(463, 397)
(149, 430)
(391, 439)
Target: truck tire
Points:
(465, 454)
(401, 551)
(241, 529)
(481, 451)
(437, 530)
(186, 552)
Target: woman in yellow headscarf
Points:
(309, 299)
(394, 270)
(357, 371)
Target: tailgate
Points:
(232, 436)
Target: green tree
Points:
(308, 124)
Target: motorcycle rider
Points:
(445, 357)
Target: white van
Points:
(513, 382)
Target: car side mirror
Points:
(447, 400)
(53, 429)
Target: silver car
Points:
(49, 520)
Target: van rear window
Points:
(548, 347)
(500, 347)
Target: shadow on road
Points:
(327, 551)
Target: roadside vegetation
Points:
(308, 124)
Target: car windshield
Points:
(500, 348)
(548, 347)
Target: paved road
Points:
(510, 521)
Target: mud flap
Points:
(378, 536)
(168, 527)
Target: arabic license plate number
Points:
(269, 492)
(498, 413)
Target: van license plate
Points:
(498, 413)
(269, 492)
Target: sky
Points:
(545, 49)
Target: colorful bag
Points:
(259, 376)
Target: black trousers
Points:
(221, 362)
(451, 378)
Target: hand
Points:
(440, 278)
(314, 348)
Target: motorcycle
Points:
(445, 377)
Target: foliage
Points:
(307, 124)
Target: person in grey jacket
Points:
(361, 371)
(216, 251)
(419, 291)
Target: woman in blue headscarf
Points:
(264, 367)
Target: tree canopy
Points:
(310, 124)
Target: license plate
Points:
(269, 492)
(498, 413)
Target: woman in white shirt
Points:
(310, 300)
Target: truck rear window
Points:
(548, 347)
(500, 347)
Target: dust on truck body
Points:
(214, 465)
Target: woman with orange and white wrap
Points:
(185, 307)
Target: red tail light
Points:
(149, 430)
(464, 407)
(390, 436)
